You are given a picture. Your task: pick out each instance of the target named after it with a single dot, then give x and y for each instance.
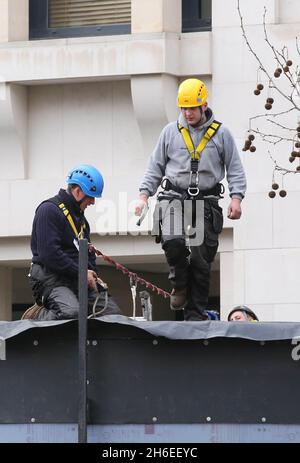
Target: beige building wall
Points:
(14, 22)
(104, 100)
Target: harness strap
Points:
(196, 153)
(71, 221)
(57, 201)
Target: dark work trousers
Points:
(190, 232)
(59, 296)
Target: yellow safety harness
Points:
(71, 221)
(196, 153)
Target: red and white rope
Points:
(130, 274)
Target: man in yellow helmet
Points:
(189, 161)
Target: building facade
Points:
(97, 86)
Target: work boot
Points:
(178, 298)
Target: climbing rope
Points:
(133, 276)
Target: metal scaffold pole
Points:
(82, 340)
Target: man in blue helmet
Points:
(57, 226)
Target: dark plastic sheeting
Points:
(151, 372)
(256, 331)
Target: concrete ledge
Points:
(93, 58)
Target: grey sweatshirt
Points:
(171, 159)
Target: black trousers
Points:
(190, 266)
(59, 296)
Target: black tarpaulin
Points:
(256, 331)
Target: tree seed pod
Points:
(251, 137)
(297, 144)
(298, 168)
(276, 74)
(298, 128)
(286, 69)
(270, 100)
(272, 194)
(268, 106)
(294, 154)
(275, 186)
(260, 87)
(291, 159)
(282, 193)
(256, 92)
(252, 149)
(289, 62)
(279, 70)
(247, 144)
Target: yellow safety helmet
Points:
(191, 93)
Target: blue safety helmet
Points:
(88, 178)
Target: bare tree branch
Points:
(282, 131)
(282, 170)
(280, 125)
(266, 136)
(262, 67)
(297, 46)
(272, 114)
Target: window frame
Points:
(38, 25)
(189, 22)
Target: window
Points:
(78, 18)
(196, 15)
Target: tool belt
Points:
(217, 190)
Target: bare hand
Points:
(234, 210)
(143, 202)
(92, 279)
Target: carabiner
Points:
(193, 190)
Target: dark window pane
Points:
(70, 13)
(78, 18)
(196, 15)
(205, 9)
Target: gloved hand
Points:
(141, 204)
(92, 279)
(101, 285)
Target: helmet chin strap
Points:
(78, 201)
(203, 115)
(81, 200)
(202, 118)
